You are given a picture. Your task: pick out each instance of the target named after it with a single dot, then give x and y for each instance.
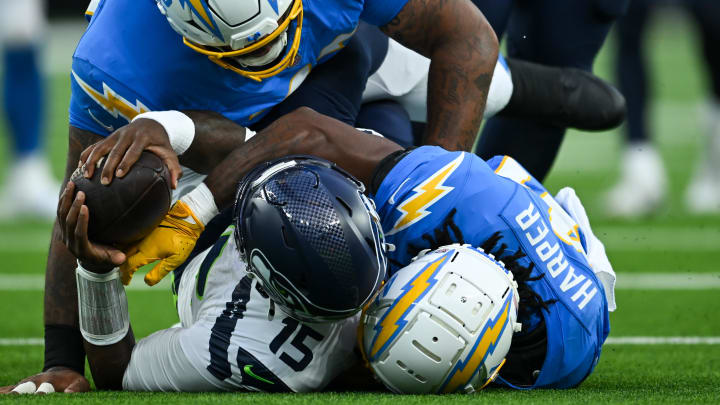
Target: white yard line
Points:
(675, 239)
(21, 342)
(621, 238)
(623, 340)
(36, 282)
(24, 241)
(625, 281)
(668, 281)
(663, 340)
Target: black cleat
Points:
(564, 97)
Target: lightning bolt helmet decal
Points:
(483, 347)
(392, 322)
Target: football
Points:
(127, 209)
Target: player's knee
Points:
(357, 56)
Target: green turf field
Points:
(668, 283)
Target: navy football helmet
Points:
(310, 235)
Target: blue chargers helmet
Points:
(310, 235)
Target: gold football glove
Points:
(171, 243)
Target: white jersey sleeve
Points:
(233, 338)
(403, 77)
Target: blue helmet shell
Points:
(305, 229)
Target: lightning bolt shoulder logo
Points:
(483, 347)
(425, 195)
(394, 320)
(111, 101)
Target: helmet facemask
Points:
(271, 52)
(249, 41)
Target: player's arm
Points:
(463, 50)
(108, 344)
(213, 137)
(302, 132)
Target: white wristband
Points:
(179, 127)
(249, 133)
(201, 203)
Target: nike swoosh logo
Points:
(391, 200)
(248, 370)
(108, 128)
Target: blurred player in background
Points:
(29, 187)
(395, 98)
(565, 33)
(642, 187)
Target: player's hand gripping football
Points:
(73, 216)
(123, 148)
(55, 379)
(171, 243)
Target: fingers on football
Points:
(101, 253)
(113, 158)
(66, 199)
(71, 218)
(93, 153)
(87, 151)
(132, 154)
(170, 159)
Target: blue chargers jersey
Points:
(130, 61)
(418, 194)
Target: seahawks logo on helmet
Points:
(312, 238)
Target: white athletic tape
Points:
(45, 388)
(28, 387)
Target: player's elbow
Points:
(466, 27)
(309, 131)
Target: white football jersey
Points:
(233, 338)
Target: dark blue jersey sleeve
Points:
(381, 12)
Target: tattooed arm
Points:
(463, 50)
